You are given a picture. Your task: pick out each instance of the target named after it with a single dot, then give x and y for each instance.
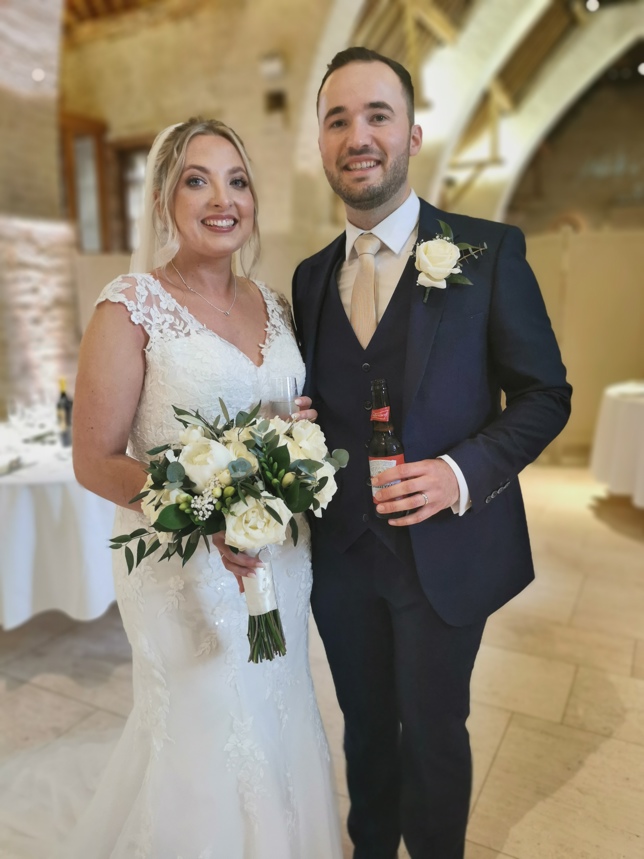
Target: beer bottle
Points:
(385, 450)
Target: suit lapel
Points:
(319, 281)
(423, 318)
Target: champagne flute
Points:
(283, 391)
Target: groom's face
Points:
(366, 136)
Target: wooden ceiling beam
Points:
(382, 26)
(377, 28)
(501, 96)
(436, 21)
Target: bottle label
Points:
(381, 415)
(379, 464)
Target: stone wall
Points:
(39, 335)
(29, 46)
(39, 331)
(141, 73)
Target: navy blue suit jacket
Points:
(465, 346)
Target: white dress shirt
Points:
(397, 233)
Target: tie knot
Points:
(367, 243)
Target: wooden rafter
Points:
(431, 17)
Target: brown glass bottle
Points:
(64, 415)
(385, 450)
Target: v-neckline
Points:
(184, 310)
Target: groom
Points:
(401, 603)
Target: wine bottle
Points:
(385, 450)
(64, 414)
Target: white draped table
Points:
(618, 449)
(53, 541)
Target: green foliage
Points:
(171, 518)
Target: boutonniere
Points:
(439, 260)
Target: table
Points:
(618, 449)
(53, 541)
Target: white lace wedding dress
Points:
(220, 758)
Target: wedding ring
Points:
(426, 499)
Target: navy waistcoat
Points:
(344, 371)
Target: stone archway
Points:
(456, 76)
(608, 34)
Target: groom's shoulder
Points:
(331, 250)
(471, 229)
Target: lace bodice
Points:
(190, 366)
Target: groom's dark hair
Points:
(365, 55)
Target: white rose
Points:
(237, 434)
(239, 451)
(191, 434)
(279, 425)
(203, 460)
(157, 499)
(250, 526)
(328, 491)
(294, 450)
(310, 438)
(436, 260)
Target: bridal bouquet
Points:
(247, 477)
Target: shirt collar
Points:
(393, 231)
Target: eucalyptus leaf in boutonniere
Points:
(439, 260)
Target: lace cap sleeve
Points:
(284, 310)
(132, 291)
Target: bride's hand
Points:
(239, 565)
(306, 413)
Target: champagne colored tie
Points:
(363, 296)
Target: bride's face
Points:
(213, 204)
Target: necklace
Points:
(225, 312)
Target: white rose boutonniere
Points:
(439, 260)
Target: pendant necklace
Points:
(225, 312)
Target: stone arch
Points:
(607, 35)
(455, 77)
(341, 23)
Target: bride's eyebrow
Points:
(206, 170)
(196, 167)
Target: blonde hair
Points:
(169, 166)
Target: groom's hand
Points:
(430, 479)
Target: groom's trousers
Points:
(402, 678)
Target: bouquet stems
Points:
(266, 636)
(265, 632)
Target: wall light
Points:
(38, 75)
(592, 5)
(640, 68)
(272, 66)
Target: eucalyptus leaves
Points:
(247, 476)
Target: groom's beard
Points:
(370, 196)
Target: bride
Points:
(219, 757)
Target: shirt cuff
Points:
(464, 501)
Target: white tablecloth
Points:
(618, 449)
(53, 542)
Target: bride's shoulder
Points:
(134, 289)
(273, 298)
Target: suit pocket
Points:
(461, 315)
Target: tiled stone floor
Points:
(558, 691)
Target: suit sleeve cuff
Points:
(464, 501)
